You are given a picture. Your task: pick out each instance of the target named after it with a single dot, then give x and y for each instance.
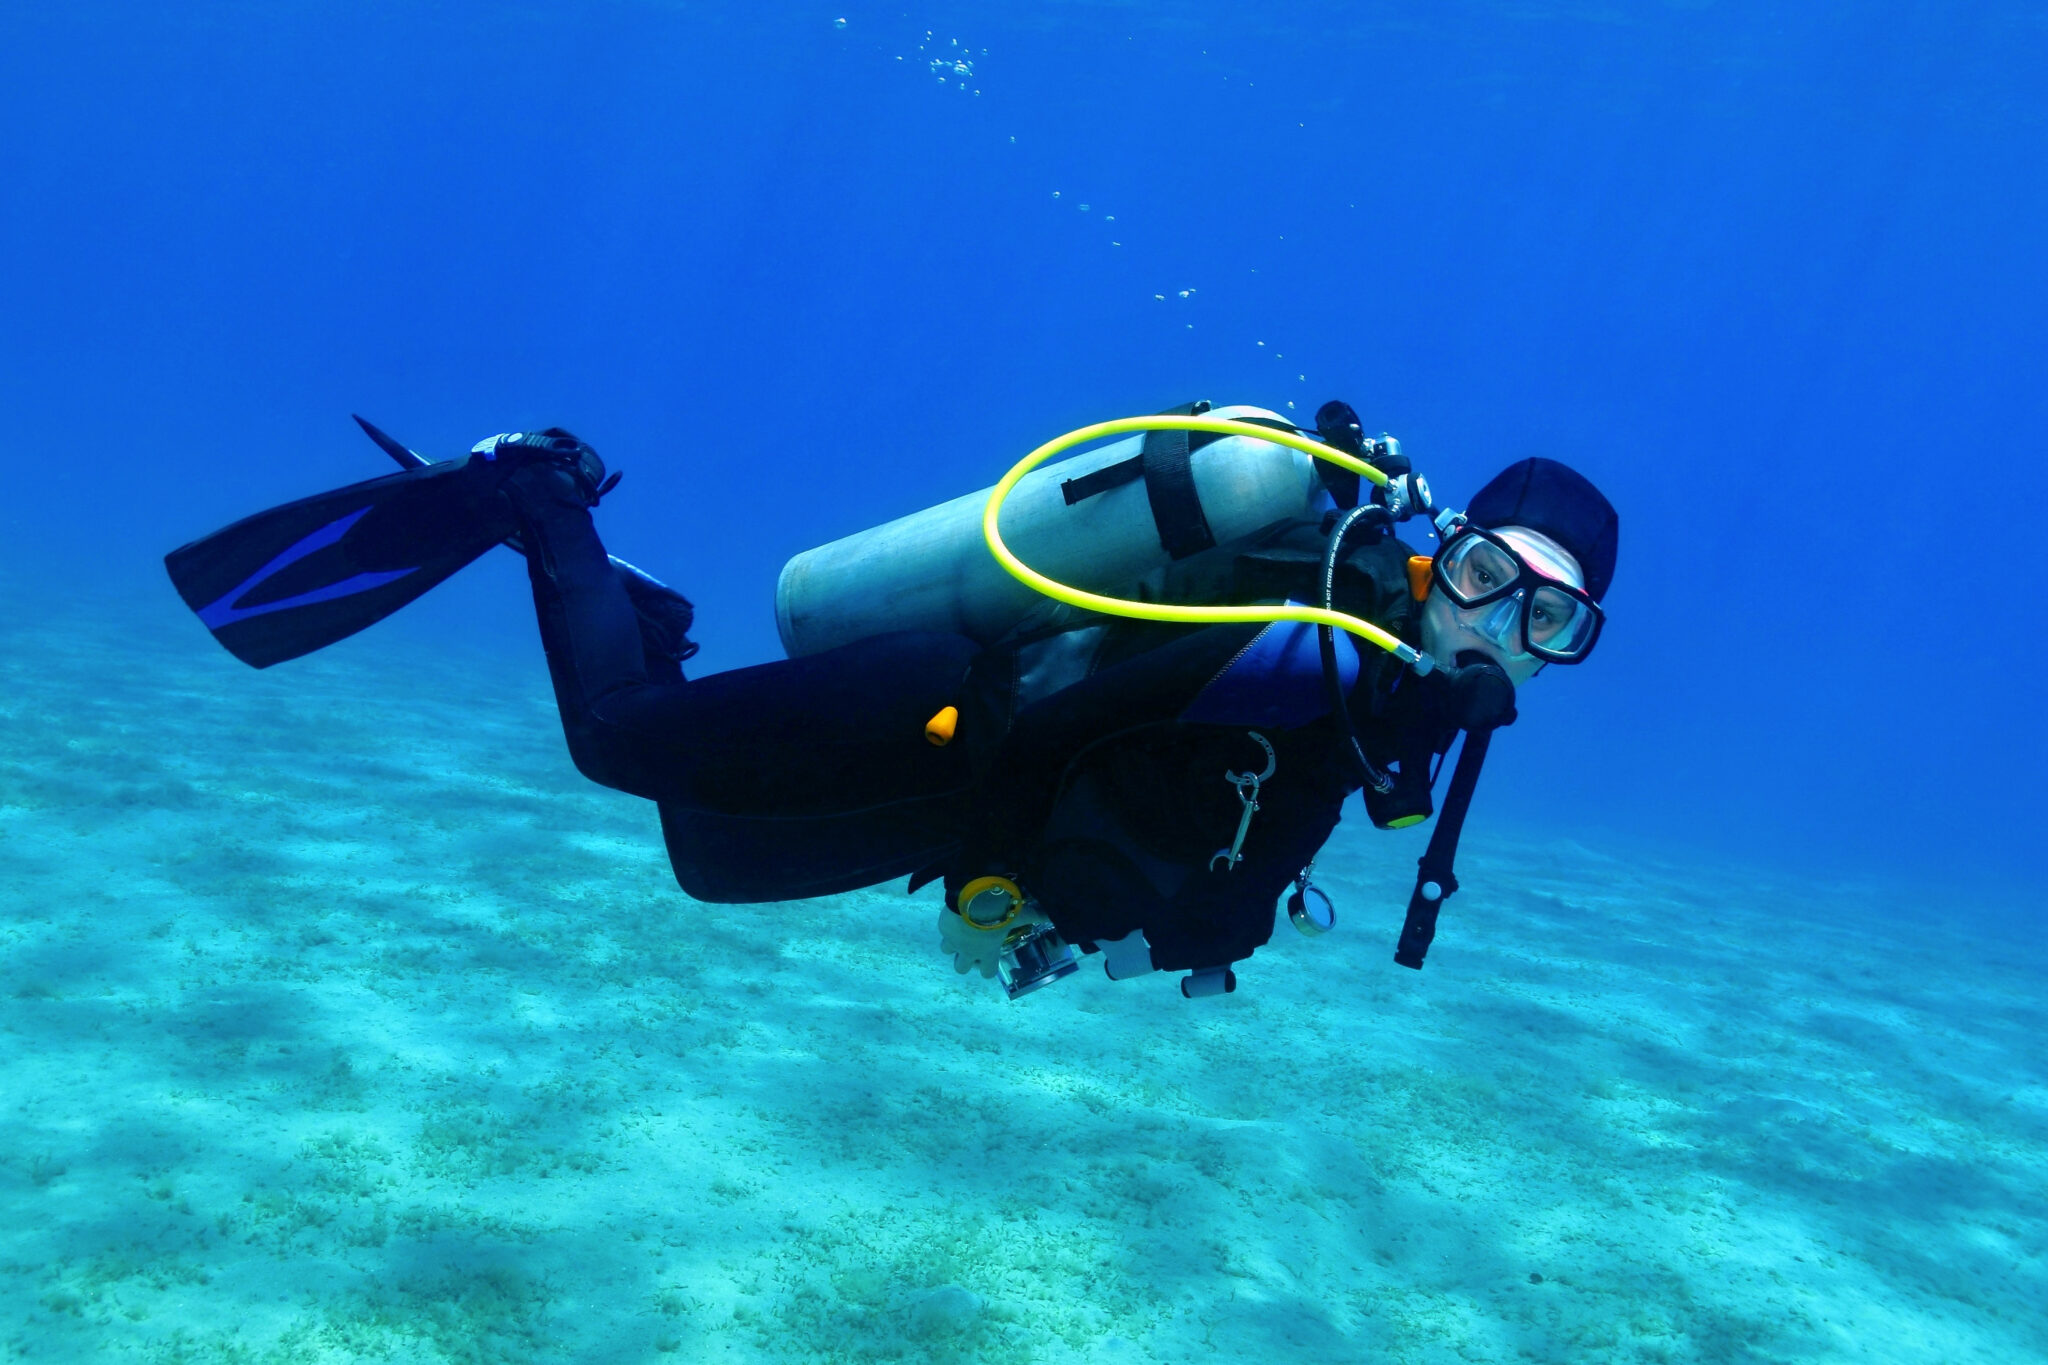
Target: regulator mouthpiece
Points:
(1481, 696)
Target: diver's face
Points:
(1495, 630)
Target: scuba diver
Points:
(1026, 693)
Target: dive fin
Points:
(298, 577)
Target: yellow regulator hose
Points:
(1160, 611)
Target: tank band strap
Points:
(1170, 487)
(1164, 464)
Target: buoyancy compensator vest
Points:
(1125, 787)
(1123, 775)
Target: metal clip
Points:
(1247, 785)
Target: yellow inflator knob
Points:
(939, 729)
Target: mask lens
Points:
(1475, 571)
(1561, 626)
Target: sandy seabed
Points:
(343, 1021)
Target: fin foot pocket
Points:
(551, 465)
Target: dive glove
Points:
(980, 950)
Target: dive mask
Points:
(1533, 612)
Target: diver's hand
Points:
(975, 949)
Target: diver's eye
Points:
(1483, 578)
(1552, 615)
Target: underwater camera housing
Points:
(1035, 958)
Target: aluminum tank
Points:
(932, 570)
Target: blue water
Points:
(1771, 275)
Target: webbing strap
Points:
(1165, 466)
(1102, 480)
(1170, 487)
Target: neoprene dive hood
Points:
(1555, 499)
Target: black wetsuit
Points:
(811, 776)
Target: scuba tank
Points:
(1103, 521)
